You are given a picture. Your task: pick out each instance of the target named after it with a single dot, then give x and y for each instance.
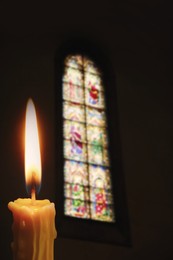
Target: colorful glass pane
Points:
(76, 191)
(94, 98)
(77, 208)
(75, 150)
(74, 61)
(72, 92)
(98, 155)
(93, 81)
(87, 182)
(73, 76)
(95, 154)
(74, 112)
(96, 135)
(99, 176)
(95, 117)
(75, 132)
(100, 196)
(102, 212)
(75, 172)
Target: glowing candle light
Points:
(32, 151)
(33, 220)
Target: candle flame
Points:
(32, 151)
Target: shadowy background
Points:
(136, 37)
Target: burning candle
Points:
(33, 220)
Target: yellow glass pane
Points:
(74, 61)
(76, 172)
(73, 111)
(73, 93)
(95, 117)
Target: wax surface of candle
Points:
(33, 229)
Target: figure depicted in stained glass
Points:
(75, 93)
(100, 198)
(71, 87)
(80, 208)
(93, 94)
(77, 190)
(73, 75)
(76, 140)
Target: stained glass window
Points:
(87, 172)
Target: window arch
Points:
(87, 175)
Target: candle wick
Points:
(33, 196)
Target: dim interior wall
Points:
(144, 95)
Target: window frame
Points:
(88, 229)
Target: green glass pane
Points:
(73, 76)
(98, 155)
(74, 112)
(102, 212)
(74, 131)
(73, 93)
(97, 135)
(76, 191)
(99, 176)
(74, 61)
(95, 117)
(77, 208)
(75, 150)
(95, 154)
(75, 172)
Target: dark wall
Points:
(136, 39)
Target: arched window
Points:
(90, 199)
(87, 175)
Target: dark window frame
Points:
(84, 229)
